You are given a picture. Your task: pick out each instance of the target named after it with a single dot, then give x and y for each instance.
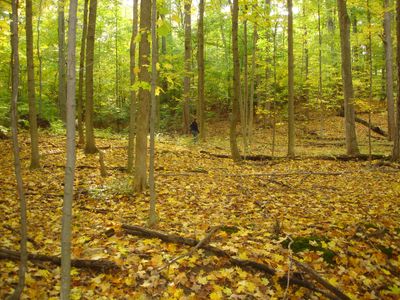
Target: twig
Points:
(202, 242)
(320, 280)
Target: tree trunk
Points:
(132, 114)
(17, 164)
(186, 80)
(153, 217)
(291, 133)
(200, 66)
(144, 99)
(81, 76)
(389, 70)
(31, 88)
(117, 98)
(350, 128)
(252, 84)
(61, 59)
(306, 88)
(70, 163)
(90, 146)
(369, 49)
(320, 101)
(236, 84)
(244, 100)
(396, 144)
(39, 56)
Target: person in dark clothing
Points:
(194, 129)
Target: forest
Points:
(200, 149)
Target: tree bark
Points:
(396, 144)
(291, 128)
(200, 66)
(61, 60)
(90, 146)
(79, 99)
(17, 163)
(387, 42)
(349, 113)
(70, 163)
(153, 217)
(186, 80)
(35, 162)
(252, 84)
(244, 100)
(39, 56)
(132, 113)
(236, 85)
(140, 180)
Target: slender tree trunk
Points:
(90, 146)
(81, 76)
(35, 163)
(252, 84)
(117, 98)
(389, 70)
(320, 68)
(61, 59)
(200, 66)
(236, 84)
(153, 217)
(396, 144)
(144, 99)
(370, 81)
(70, 163)
(39, 56)
(17, 164)
(268, 104)
(244, 100)
(275, 91)
(350, 127)
(291, 133)
(132, 115)
(186, 80)
(306, 65)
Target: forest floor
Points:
(341, 218)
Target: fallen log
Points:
(373, 127)
(246, 264)
(98, 265)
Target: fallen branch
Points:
(373, 127)
(99, 265)
(246, 264)
(204, 241)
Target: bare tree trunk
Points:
(35, 163)
(306, 87)
(320, 101)
(291, 132)
(350, 127)
(186, 80)
(117, 98)
(61, 59)
(244, 100)
(389, 70)
(200, 66)
(70, 163)
(236, 84)
(396, 144)
(370, 81)
(17, 164)
(144, 99)
(252, 84)
(132, 114)
(39, 56)
(90, 146)
(153, 217)
(80, 102)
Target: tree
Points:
(396, 144)
(153, 217)
(349, 113)
(61, 59)
(90, 146)
(81, 76)
(17, 163)
(387, 42)
(140, 180)
(35, 163)
(200, 68)
(188, 62)
(70, 164)
(236, 85)
(291, 132)
(132, 111)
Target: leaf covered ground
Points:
(340, 218)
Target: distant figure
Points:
(194, 129)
